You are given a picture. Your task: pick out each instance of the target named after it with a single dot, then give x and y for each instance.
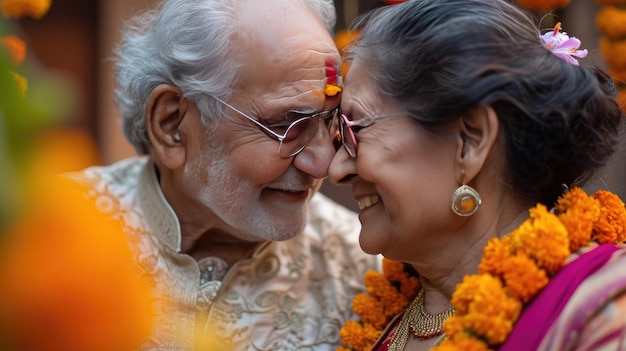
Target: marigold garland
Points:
(388, 293)
(516, 267)
(512, 271)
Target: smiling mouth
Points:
(368, 201)
(291, 192)
(290, 195)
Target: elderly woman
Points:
(467, 136)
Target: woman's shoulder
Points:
(594, 318)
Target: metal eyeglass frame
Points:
(350, 143)
(281, 138)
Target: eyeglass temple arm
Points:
(266, 129)
(368, 120)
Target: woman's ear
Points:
(165, 111)
(478, 134)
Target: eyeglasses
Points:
(293, 137)
(347, 132)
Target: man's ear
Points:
(478, 134)
(165, 111)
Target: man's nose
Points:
(315, 158)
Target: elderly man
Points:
(229, 103)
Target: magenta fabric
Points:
(385, 338)
(541, 312)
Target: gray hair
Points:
(440, 59)
(184, 43)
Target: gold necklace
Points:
(419, 323)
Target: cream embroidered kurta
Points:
(291, 295)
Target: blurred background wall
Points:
(77, 37)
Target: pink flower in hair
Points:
(561, 45)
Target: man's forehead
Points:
(287, 25)
(270, 12)
(298, 46)
(286, 56)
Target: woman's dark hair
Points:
(440, 59)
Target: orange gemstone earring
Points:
(465, 200)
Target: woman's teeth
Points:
(368, 201)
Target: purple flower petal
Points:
(562, 46)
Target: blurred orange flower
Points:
(543, 5)
(342, 40)
(24, 8)
(15, 46)
(68, 280)
(611, 22)
(611, 2)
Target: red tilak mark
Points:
(331, 72)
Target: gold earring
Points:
(465, 200)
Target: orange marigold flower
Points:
(23, 8)
(380, 288)
(393, 301)
(463, 342)
(543, 238)
(15, 46)
(409, 286)
(453, 325)
(374, 282)
(523, 278)
(578, 212)
(403, 276)
(357, 335)
(464, 293)
(495, 253)
(392, 270)
(370, 310)
(611, 226)
(614, 52)
(491, 312)
(611, 21)
(574, 197)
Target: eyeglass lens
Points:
(300, 133)
(348, 139)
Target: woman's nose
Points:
(342, 167)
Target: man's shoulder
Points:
(327, 217)
(120, 172)
(324, 208)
